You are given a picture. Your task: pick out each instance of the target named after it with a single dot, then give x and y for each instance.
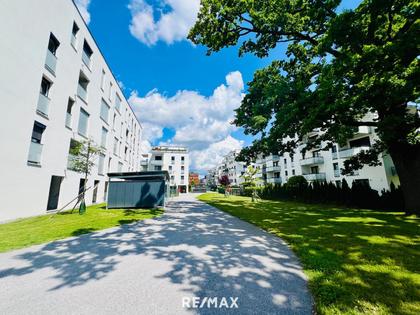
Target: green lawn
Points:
(357, 261)
(46, 228)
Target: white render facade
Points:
(175, 160)
(320, 165)
(230, 167)
(56, 87)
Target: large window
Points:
(104, 111)
(83, 123)
(35, 149)
(104, 136)
(101, 162)
(45, 87)
(118, 103)
(53, 44)
(74, 32)
(83, 86)
(87, 54)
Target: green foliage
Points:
(297, 182)
(83, 156)
(357, 261)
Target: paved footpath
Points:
(154, 266)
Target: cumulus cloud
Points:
(201, 123)
(83, 6)
(169, 20)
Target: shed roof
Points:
(164, 175)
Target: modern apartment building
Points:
(320, 165)
(230, 167)
(175, 160)
(57, 90)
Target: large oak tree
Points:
(340, 66)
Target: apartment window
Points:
(53, 44)
(35, 148)
(125, 153)
(122, 129)
(158, 158)
(110, 90)
(172, 159)
(109, 164)
(104, 111)
(103, 80)
(182, 159)
(114, 121)
(70, 105)
(101, 162)
(293, 172)
(285, 162)
(83, 123)
(275, 164)
(362, 142)
(82, 87)
(338, 183)
(45, 87)
(118, 103)
(158, 168)
(115, 146)
(170, 167)
(286, 173)
(87, 54)
(182, 169)
(104, 136)
(182, 178)
(74, 32)
(336, 170)
(291, 158)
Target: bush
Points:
(297, 182)
(221, 190)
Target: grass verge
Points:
(46, 228)
(357, 261)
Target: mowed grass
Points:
(46, 228)
(357, 261)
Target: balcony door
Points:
(54, 194)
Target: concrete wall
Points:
(25, 32)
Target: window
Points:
(338, 183)
(103, 80)
(104, 136)
(109, 164)
(118, 103)
(170, 167)
(125, 153)
(37, 132)
(172, 159)
(87, 54)
(285, 162)
(35, 148)
(120, 166)
(293, 172)
(53, 44)
(74, 32)
(45, 87)
(82, 86)
(158, 158)
(286, 173)
(104, 111)
(291, 158)
(83, 123)
(68, 113)
(158, 168)
(182, 178)
(101, 162)
(114, 122)
(362, 142)
(110, 90)
(115, 146)
(182, 159)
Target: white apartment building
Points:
(320, 165)
(56, 88)
(175, 160)
(230, 167)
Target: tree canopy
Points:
(343, 70)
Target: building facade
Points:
(175, 160)
(320, 165)
(57, 90)
(229, 167)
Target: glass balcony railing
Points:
(273, 168)
(86, 59)
(82, 93)
(68, 120)
(337, 173)
(344, 154)
(51, 62)
(73, 41)
(312, 161)
(315, 177)
(35, 152)
(274, 180)
(43, 104)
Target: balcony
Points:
(51, 62)
(144, 163)
(273, 168)
(82, 93)
(35, 152)
(73, 41)
(157, 162)
(315, 177)
(344, 154)
(68, 120)
(312, 161)
(337, 173)
(86, 59)
(43, 104)
(272, 158)
(274, 180)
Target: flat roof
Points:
(140, 175)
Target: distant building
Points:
(175, 160)
(230, 167)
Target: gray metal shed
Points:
(137, 190)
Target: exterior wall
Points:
(178, 177)
(319, 165)
(228, 166)
(25, 34)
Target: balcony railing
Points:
(51, 62)
(86, 59)
(273, 168)
(274, 180)
(334, 155)
(68, 120)
(70, 161)
(272, 158)
(73, 41)
(312, 161)
(43, 104)
(35, 152)
(344, 154)
(337, 173)
(315, 177)
(82, 93)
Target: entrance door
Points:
(95, 191)
(54, 194)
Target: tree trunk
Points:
(406, 159)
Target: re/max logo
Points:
(210, 302)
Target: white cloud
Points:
(201, 123)
(83, 6)
(173, 22)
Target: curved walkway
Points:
(154, 266)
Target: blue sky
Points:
(180, 95)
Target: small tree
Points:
(83, 157)
(251, 180)
(224, 181)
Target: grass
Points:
(357, 261)
(46, 228)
